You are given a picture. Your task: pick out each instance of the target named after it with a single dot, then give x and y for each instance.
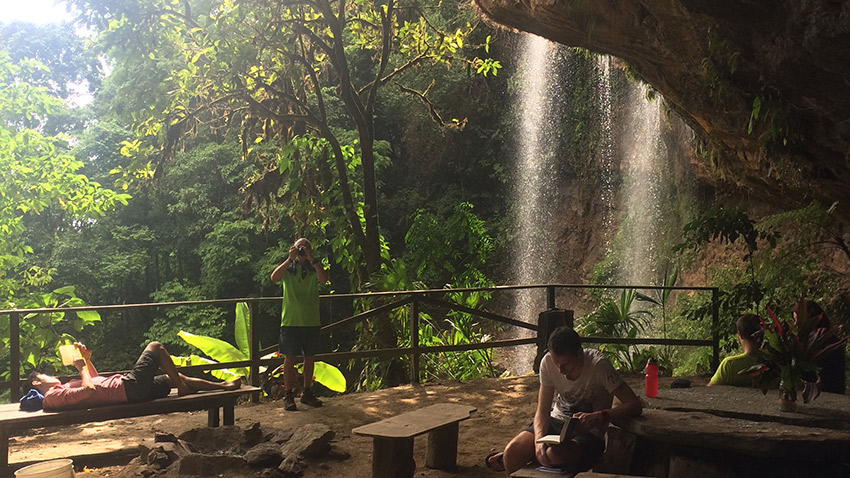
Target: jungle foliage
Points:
(43, 189)
(225, 129)
(768, 263)
(237, 126)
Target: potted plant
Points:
(790, 352)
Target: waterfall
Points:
(627, 133)
(644, 155)
(536, 183)
(605, 154)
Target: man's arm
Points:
(84, 366)
(545, 395)
(277, 273)
(321, 273)
(629, 406)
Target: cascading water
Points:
(605, 154)
(536, 183)
(644, 156)
(627, 133)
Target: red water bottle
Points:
(651, 370)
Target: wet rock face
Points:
(721, 62)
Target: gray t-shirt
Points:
(590, 392)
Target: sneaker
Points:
(289, 401)
(308, 398)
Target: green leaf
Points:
(216, 349)
(241, 328)
(67, 290)
(327, 375)
(225, 374)
(88, 316)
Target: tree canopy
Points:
(278, 71)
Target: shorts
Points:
(299, 340)
(592, 446)
(142, 384)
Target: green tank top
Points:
(300, 298)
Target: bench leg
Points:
(442, 448)
(212, 417)
(4, 450)
(392, 458)
(228, 413)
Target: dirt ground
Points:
(504, 406)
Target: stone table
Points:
(721, 432)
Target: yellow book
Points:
(69, 353)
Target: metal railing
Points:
(414, 299)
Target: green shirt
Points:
(727, 372)
(300, 298)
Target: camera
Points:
(301, 251)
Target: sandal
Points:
(499, 466)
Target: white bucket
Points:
(63, 468)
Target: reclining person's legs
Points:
(198, 384)
(185, 384)
(143, 383)
(166, 365)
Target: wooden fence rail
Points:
(413, 299)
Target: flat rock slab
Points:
(745, 421)
(829, 410)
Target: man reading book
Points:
(153, 376)
(585, 382)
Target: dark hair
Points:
(814, 310)
(749, 327)
(564, 341)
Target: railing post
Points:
(414, 342)
(550, 297)
(254, 352)
(14, 357)
(715, 329)
(547, 322)
(542, 339)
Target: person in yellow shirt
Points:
(728, 373)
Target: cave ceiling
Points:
(718, 63)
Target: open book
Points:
(567, 431)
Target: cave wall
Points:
(765, 84)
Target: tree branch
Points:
(432, 111)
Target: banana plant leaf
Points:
(327, 375)
(241, 328)
(218, 350)
(224, 374)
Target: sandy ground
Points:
(504, 406)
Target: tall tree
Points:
(38, 180)
(37, 177)
(281, 70)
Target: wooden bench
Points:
(533, 472)
(392, 439)
(14, 421)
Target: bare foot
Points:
(495, 461)
(233, 384)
